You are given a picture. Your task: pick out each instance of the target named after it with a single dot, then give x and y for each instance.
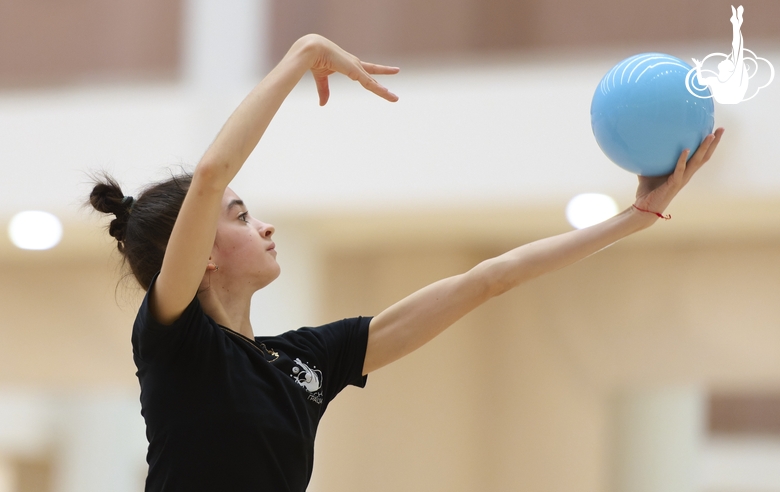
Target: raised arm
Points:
(415, 320)
(187, 253)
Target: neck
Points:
(228, 309)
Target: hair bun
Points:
(107, 197)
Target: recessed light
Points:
(36, 230)
(589, 209)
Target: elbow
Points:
(499, 286)
(493, 279)
(211, 174)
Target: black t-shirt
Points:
(226, 413)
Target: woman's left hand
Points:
(656, 193)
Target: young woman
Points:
(226, 410)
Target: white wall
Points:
(97, 438)
(740, 463)
(486, 134)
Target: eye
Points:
(243, 217)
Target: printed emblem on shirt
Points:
(309, 378)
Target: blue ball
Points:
(643, 116)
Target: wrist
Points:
(309, 47)
(642, 218)
(652, 212)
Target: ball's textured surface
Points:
(643, 116)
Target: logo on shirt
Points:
(309, 379)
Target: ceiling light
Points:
(33, 229)
(588, 209)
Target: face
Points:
(243, 249)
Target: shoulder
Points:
(340, 342)
(334, 333)
(149, 334)
(335, 352)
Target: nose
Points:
(267, 230)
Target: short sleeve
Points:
(151, 338)
(341, 348)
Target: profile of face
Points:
(243, 248)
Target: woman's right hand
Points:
(329, 58)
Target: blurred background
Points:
(651, 366)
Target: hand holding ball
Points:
(643, 116)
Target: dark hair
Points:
(142, 225)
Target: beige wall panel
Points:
(548, 422)
(516, 396)
(513, 397)
(65, 324)
(687, 313)
(492, 404)
(418, 423)
(45, 42)
(371, 28)
(387, 28)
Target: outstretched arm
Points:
(192, 238)
(415, 320)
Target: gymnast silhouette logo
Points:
(309, 378)
(729, 85)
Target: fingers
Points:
(718, 133)
(323, 89)
(379, 69)
(678, 176)
(372, 85)
(381, 91)
(335, 59)
(358, 71)
(704, 152)
(370, 82)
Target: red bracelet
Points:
(665, 217)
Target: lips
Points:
(271, 247)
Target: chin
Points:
(269, 276)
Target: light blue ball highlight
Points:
(643, 116)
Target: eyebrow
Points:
(234, 203)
